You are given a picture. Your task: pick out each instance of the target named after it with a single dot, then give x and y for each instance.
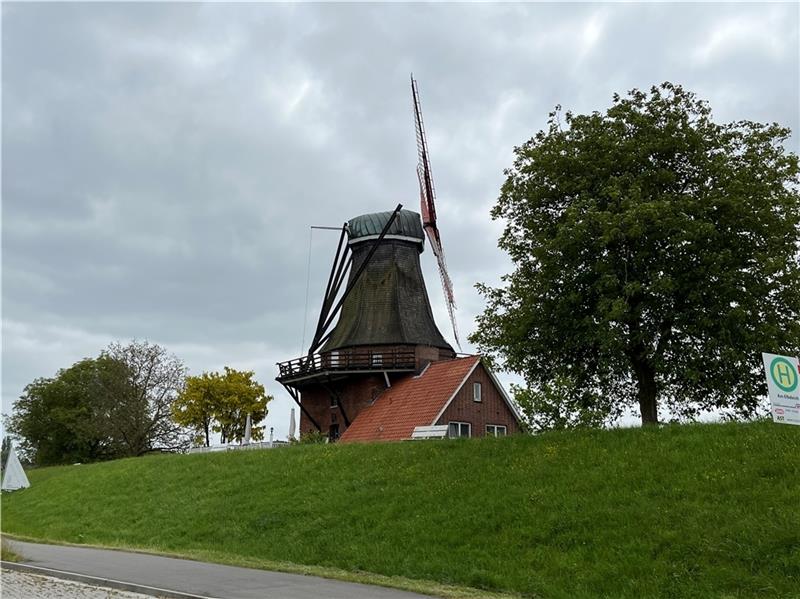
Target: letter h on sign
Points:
(783, 373)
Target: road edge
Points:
(102, 582)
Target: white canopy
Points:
(14, 476)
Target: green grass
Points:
(681, 511)
(6, 554)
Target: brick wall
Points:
(355, 394)
(425, 354)
(492, 409)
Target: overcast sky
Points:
(162, 163)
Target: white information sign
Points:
(783, 382)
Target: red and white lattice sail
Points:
(427, 196)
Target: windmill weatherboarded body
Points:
(385, 333)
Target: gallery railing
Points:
(349, 360)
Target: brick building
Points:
(461, 393)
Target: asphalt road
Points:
(197, 578)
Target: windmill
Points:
(427, 196)
(384, 327)
(376, 326)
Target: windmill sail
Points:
(427, 194)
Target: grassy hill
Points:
(682, 511)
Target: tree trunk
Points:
(647, 390)
(206, 423)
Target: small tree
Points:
(155, 378)
(242, 396)
(656, 257)
(196, 404)
(221, 402)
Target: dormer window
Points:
(476, 392)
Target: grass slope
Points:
(682, 511)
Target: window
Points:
(476, 391)
(333, 433)
(335, 359)
(495, 430)
(459, 429)
(377, 359)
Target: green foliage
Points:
(241, 395)
(656, 257)
(101, 408)
(6, 449)
(221, 402)
(7, 554)
(554, 407)
(154, 379)
(311, 438)
(67, 418)
(195, 405)
(675, 511)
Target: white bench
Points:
(429, 432)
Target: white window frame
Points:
(460, 424)
(377, 360)
(477, 392)
(496, 428)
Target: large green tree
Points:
(220, 403)
(655, 255)
(67, 418)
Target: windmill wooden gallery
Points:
(384, 371)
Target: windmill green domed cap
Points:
(408, 225)
(388, 304)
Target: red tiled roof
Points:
(410, 402)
